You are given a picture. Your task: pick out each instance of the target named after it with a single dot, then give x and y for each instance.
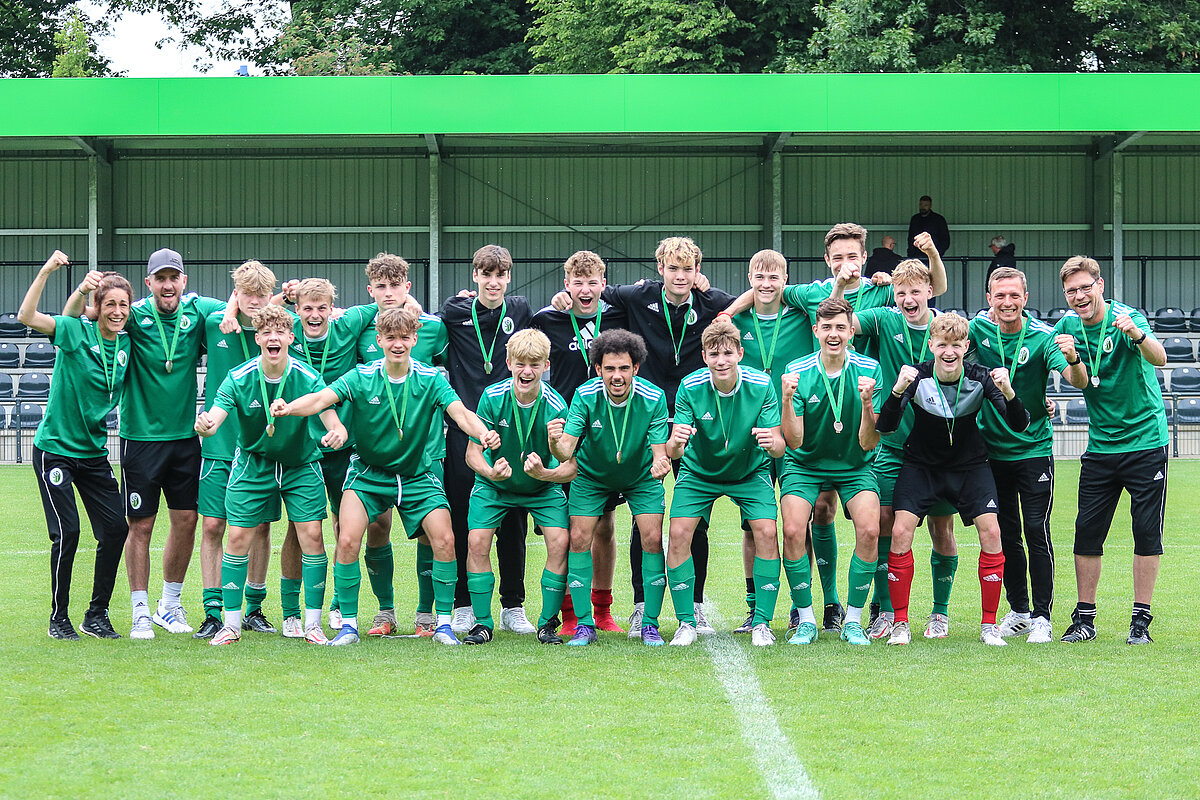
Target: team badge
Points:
(691, 316)
(185, 323)
(135, 501)
(1108, 344)
(507, 326)
(1023, 356)
(122, 357)
(56, 476)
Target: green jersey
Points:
(807, 296)
(159, 403)
(723, 447)
(772, 342)
(1125, 409)
(332, 355)
(1029, 356)
(831, 440)
(614, 440)
(522, 431)
(895, 343)
(390, 419)
(89, 375)
(246, 394)
(225, 352)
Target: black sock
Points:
(1087, 611)
(749, 585)
(1145, 607)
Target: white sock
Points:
(853, 614)
(312, 616)
(140, 603)
(1022, 614)
(351, 621)
(233, 619)
(171, 594)
(444, 619)
(806, 615)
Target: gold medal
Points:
(271, 429)
(487, 367)
(169, 365)
(618, 456)
(399, 433)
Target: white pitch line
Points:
(773, 754)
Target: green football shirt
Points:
(1125, 412)
(89, 375)
(1030, 356)
(604, 429)
(723, 448)
(522, 431)
(895, 343)
(773, 342)
(831, 441)
(807, 296)
(225, 352)
(333, 355)
(158, 404)
(246, 394)
(416, 401)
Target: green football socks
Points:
(481, 585)
(347, 578)
(654, 586)
(824, 541)
(579, 583)
(799, 577)
(944, 568)
(682, 580)
(445, 578)
(213, 602)
(289, 593)
(883, 595)
(314, 569)
(424, 578)
(381, 569)
(255, 595)
(862, 576)
(233, 580)
(554, 588)
(766, 589)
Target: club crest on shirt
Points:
(1023, 356)
(122, 357)
(185, 323)
(1108, 344)
(135, 501)
(691, 316)
(508, 326)
(56, 476)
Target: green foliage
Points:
(329, 46)
(29, 31)
(73, 48)
(1145, 35)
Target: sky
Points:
(131, 49)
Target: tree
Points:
(329, 47)
(74, 50)
(1142, 36)
(27, 38)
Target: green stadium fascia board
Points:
(597, 104)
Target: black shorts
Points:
(971, 491)
(1102, 476)
(148, 468)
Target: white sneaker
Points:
(685, 636)
(990, 634)
(142, 628)
(938, 627)
(514, 619)
(293, 628)
(335, 619)
(173, 619)
(900, 634)
(313, 634)
(1014, 624)
(635, 621)
(463, 620)
(702, 625)
(1040, 631)
(762, 636)
(882, 626)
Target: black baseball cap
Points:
(164, 259)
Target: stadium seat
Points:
(1179, 349)
(1169, 409)
(27, 416)
(1076, 411)
(1187, 411)
(10, 356)
(39, 355)
(11, 328)
(111, 420)
(1052, 380)
(1033, 312)
(1185, 380)
(1055, 314)
(1194, 320)
(1065, 387)
(1162, 380)
(1169, 320)
(962, 312)
(6, 386)
(33, 386)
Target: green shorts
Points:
(589, 498)
(258, 487)
(214, 478)
(886, 468)
(488, 506)
(415, 498)
(694, 496)
(807, 485)
(334, 464)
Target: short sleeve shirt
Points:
(160, 405)
(332, 355)
(89, 375)
(373, 424)
(723, 448)
(500, 412)
(570, 337)
(807, 296)
(826, 448)
(1029, 356)
(605, 429)
(1125, 412)
(242, 396)
(895, 343)
(775, 341)
(226, 351)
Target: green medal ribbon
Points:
(834, 406)
(768, 357)
(957, 392)
(1017, 354)
(308, 353)
(676, 346)
(579, 337)
(920, 355)
(720, 413)
(403, 415)
(1094, 355)
(262, 385)
(523, 434)
(110, 379)
(487, 356)
(168, 354)
(620, 442)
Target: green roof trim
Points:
(459, 104)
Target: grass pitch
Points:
(279, 718)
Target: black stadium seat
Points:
(1055, 314)
(6, 386)
(10, 356)
(1033, 312)
(1162, 380)
(1077, 411)
(110, 421)
(27, 416)
(1169, 320)
(39, 355)
(1169, 409)
(1187, 411)
(33, 386)
(1179, 349)
(1194, 320)
(11, 328)
(1185, 380)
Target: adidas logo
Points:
(679, 587)
(658, 582)
(814, 399)
(770, 587)
(800, 586)
(372, 349)
(899, 337)
(575, 585)
(372, 571)
(991, 504)
(374, 401)
(748, 337)
(222, 343)
(864, 587)
(466, 323)
(992, 578)
(986, 343)
(145, 321)
(503, 423)
(231, 585)
(1044, 478)
(1158, 477)
(255, 404)
(653, 307)
(426, 572)
(822, 562)
(320, 585)
(597, 425)
(707, 416)
(948, 579)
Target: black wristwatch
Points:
(1139, 341)
(1078, 360)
